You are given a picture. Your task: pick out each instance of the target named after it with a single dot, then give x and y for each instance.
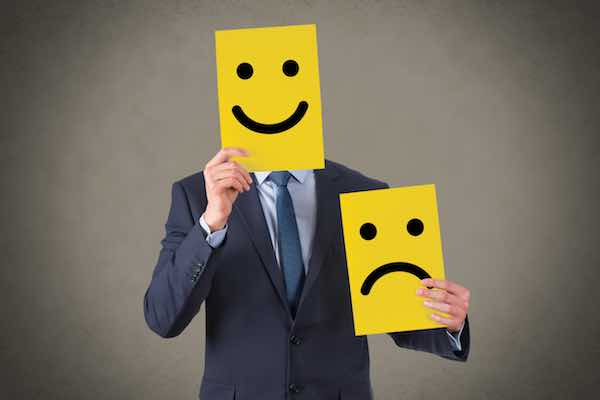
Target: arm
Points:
(188, 259)
(183, 274)
(441, 342)
(435, 341)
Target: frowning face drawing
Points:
(392, 241)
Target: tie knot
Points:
(280, 178)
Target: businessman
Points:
(264, 252)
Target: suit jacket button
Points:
(295, 340)
(295, 388)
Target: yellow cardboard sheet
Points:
(392, 240)
(270, 97)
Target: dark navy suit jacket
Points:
(254, 348)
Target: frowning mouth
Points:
(391, 267)
(277, 127)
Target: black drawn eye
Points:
(368, 231)
(244, 70)
(415, 227)
(290, 67)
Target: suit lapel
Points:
(328, 223)
(250, 210)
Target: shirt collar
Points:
(299, 174)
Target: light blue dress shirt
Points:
(304, 197)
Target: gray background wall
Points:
(106, 103)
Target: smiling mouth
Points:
(278, 127)
(391, 267)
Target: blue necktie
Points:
(288, 240)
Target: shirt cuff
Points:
(455, 338)
(214, 239)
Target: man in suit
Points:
(264, 252)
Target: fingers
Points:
(227, 183)
(450, 309)
(449, 286)
(237, 178)
(447, 297)
(443, 297)
(452, 323)
(215, 173)
(220, 170)
(224, 155)
(437, 305)
(217, 176)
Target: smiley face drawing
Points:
(270, 96)
(392, 241)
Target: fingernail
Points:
(420, 291)
(427, 303)
(425, 281)
(434, 316)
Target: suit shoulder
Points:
(190, 189)
(356, 179)
(194, 180)
(193, 186)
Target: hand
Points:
(224, 179)
(452, 299)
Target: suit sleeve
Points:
(183, 275)
(435, 341)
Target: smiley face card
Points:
(392, 241)
(270, 96)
